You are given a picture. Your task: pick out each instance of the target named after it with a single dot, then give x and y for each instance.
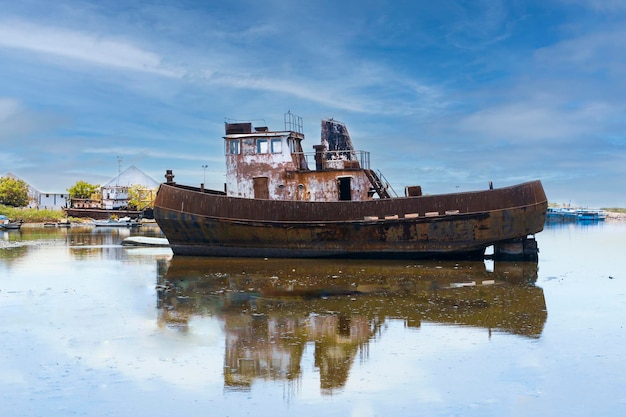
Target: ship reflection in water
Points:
(272, 310)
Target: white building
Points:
(53, 201)
(36, 198)
(115, 192)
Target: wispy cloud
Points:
(148, 152)
(537, 121)
(342, 90)
(598, 54)
(479, 24)
(90, 48)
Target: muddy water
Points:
(90, 327)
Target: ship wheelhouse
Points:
(272, 165)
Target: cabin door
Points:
(345, 189)
(261, 188)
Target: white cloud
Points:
(537, 121)
(340, 89)
(601, 50)
(91, 48)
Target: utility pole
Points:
(204, 177)
(119, 170)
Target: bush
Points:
(13, 192)
(82, 189)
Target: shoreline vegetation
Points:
(33, 215)
(39, 216)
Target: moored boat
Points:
(6, 224)
(590, 215)
(275, 205)
(121, 222)
(573, 214)
(11, 225)
(145, 241)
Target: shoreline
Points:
(610, 216)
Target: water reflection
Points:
(81, 241)
(560, 223)
(272, 310)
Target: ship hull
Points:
(461, 225)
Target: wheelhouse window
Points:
(232, 147)
(277, 146)
(262, 146)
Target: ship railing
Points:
(386, 184)
(344, 159)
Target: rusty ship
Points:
(279, 201)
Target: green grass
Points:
(31, 215)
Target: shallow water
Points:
(89, 327)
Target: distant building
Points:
(53, 201)
(85, 203)
(38, 199)
(115, 192)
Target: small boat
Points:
(276, 204)
(121, 222)
(145, 241)
(8, 225)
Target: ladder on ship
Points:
(382, 189)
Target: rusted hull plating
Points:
(457, 225)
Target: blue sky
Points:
(449, 94)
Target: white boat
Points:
(121, 222)
(572, 214)
(145, 241)
(590, 214)
(7, 224)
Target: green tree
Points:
(82, 189)
(13, 192)
(140, 197)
